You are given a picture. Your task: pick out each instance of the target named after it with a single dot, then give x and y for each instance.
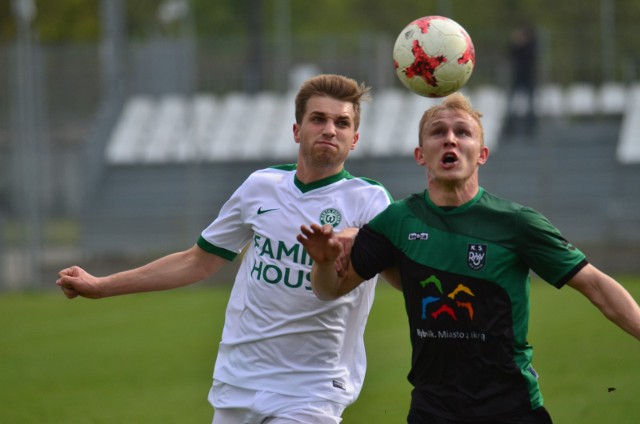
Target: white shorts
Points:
(235, 405)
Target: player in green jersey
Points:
(463, 258)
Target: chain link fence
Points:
(59, 103)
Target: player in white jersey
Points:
(285, 356)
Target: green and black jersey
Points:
(465, 277)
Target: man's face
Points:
(451, 150)
(327, 132)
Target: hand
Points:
(75, 281)
(346, 237)
(320, 243)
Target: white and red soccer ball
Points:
(434, 56)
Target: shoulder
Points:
(263, 182)
(527, 226)
(396, 213)
(495, 208)
(365, 181)
(510, 214)
(498, 204)
(289, 167)
(368, 187)
(272, 174)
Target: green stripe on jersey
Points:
(210, 248)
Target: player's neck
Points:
(311, 174)
(452, 195)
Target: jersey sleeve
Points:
(545, 250)
(227, 235)
(377, 202)
(364, 200)
(371, 253)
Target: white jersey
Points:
(277, 335)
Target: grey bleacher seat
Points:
(229, 129)
(492, 102)
(550, 101)
(581, 99)
(612, 98)
(167, 131)
(408, 140)
(259, 117)
(131, 127)
(628, 148)
(282, 145)
(205, 115)
(365, 130)
(380, 120)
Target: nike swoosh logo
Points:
(261, 211)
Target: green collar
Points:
(321, 183)
(453, 209)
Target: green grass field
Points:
(148, 358)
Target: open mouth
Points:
(449, 158)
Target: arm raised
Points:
(613, 300)
(171, 271)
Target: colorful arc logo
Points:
(445, 308)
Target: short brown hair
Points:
(456, 102)
(334, 86)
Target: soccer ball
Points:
(433, 56)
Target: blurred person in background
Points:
(523, 57)
(285, 356)
(464, 258)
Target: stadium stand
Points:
(628, 150)
(239, 126)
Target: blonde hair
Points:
(455, 102)
(334, 86)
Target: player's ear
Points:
(484, 155)
(418, 154)
(296, 132)
(355, 140)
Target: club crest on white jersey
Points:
(331, 216)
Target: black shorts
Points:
(537, 416)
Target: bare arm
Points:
(324, 248)
(171, 271)
(613, 300)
